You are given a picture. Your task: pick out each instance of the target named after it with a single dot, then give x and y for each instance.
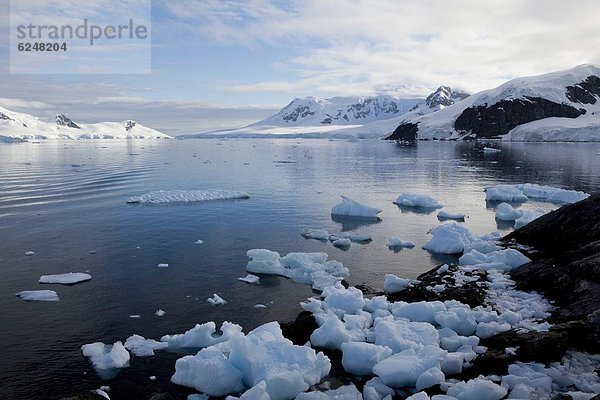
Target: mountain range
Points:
(16, 127)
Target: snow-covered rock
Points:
(184, 196)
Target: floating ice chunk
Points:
(491, 150)
(394, 284)
(178, 196)
(198, 241)
(506, 212)
(203, 336)
(511, 259)
(445, 215)
(417, 200)
(318, 234)
(260, 306)
(341, 300)
(433, 376)
(420, 311)
(450, 238)
(351, 208)
(355, 237)
(375, 389)
(38, 295)
(360, 358)
(70, 278)
(342, 393)
(104, 356)
(163, 265)
(401, 335)
(342, 242)
(404, 368)
(262, 355)
(522, 192)
(159, 313)
(452, 363)
(102, 393)
(418, 396)
(216, 300)
(143, 347)
(307, 268)
(152, 377)
(29, 253)
(396, 243)
(477, 389)
(527, 216)
(460, 320)
(257, 392)
(331, 333)
(135, 316)
(250, 279)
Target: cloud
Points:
(360, 46)
(12, 103)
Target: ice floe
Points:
(252, 279)
(417, 200)
(216, 300)
(520, 193)
(29, 253)
(491, 150)
(446, 215)
(179, 196)
(322, 234)
(351, 208)
(527, 216)
(38, 295)
(450, 238)
(70, 278)
(159, 313)
(202, 335)
(104, 356)
(307, 268)
(396, 243)
(143, 347)
(263, 355)
(506, 212)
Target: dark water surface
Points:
(65, 199)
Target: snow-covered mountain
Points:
(315, 117)
(19, 126)
(560, 106)
(315, 111)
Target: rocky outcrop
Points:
(585, 92)
(567, 267)
(63, 120)
(406, 132)
(5, 117)
(298, 112)
(498, 119)
(445, 96)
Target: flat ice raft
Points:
(186, 196)
(38, 295)
(522, 192)
(69, 278)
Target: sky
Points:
(224, 64)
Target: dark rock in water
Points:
(299, 330)
(568, 268)
(492, 121)
(471, 293)
(405, 132)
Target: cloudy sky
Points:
(226, 63)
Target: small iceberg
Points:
(491, 150)
(445, 215)
(417, 201)
(143, 347)
(351, 208)
(159, 313)
(202, 336)
(396, 243)
(521, 193)
(185, 196)
(216, 300)
(105, 358)
(29, 253)
(38, 295)
(506, 212)
(307, 268)
(252, 279)
(70, 278)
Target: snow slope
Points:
(15, 126)
(509, 105)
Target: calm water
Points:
(65, 199)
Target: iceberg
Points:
(38, 295)
(184, 196)
(143, 347)
(417, 200)
(351, 208)
(104, 356)
(307, 268)
(70, 278)
(520, 193)
(445, 215)
(506, 212)
(252, 279)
